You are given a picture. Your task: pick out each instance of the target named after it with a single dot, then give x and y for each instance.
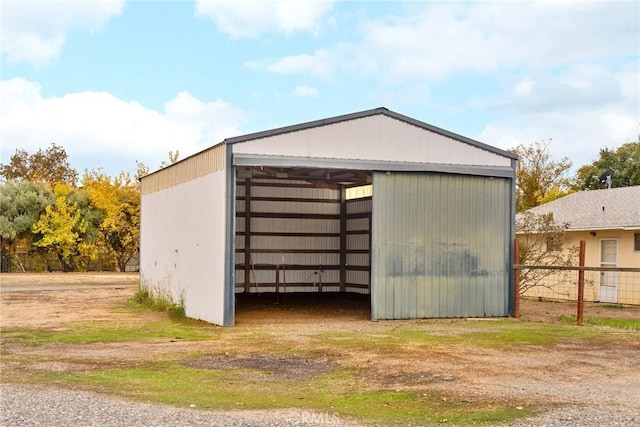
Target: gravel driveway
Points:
(36, 406)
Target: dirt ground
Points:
(52, 299)
(564, 374)
(61, 298)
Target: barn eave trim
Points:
(240, 159)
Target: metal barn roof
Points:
(364, 114)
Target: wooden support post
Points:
(343, 239)
(580, 314)
(277, 278)
(516, 279)
(247, 234)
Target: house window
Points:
(636, 242)
(554, 243)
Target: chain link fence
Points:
(27, 262)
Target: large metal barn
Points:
(373, 202)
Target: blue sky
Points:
(118, 81)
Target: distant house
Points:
(609, 221)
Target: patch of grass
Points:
(615, 306)
(90, 332)
(343, 391)
(632, 324)
(494, 334)
(144, 299)
(513, 334)
(337, 394)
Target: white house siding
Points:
(182, 236)
(564, 285)
(376, 138)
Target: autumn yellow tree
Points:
(539, 178)
(61, 229)
(45, 167)
(119, 201)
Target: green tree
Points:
(624, 161)
(119, 201)
(62, 231)
(539, 178)
(48, 166)
(21, 203)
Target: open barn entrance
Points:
(302, 231)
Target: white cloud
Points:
(34, 31)
(305, 92)
(582, 110)
(434, 41)
(211, 122)
(250, 18)
(437, 40)
(320, 64)
(98, 129)
(578, 135)
(577, 87)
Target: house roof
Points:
(615, 208)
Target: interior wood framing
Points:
(297, 232)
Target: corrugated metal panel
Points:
(300, 225)
(359, 205)
(291, 192)
(440, 246)
(186, 263)
(293, 207)
(316, 260)
(358, 279)
(204, 163)
(273, 250)
(358, 192)
(379, 137)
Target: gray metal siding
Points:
(441, 246)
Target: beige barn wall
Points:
(182, 234)
(194, 167)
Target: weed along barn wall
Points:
(269, 212)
